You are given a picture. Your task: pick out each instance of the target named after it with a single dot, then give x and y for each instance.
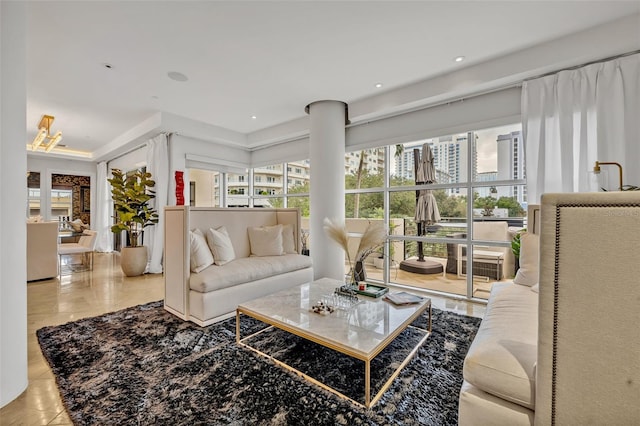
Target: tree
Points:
(451, 205)
(515, 209)
(360, 172)
(487, 204)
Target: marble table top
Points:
(361, 331)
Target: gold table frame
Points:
(366, 357)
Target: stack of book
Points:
(403, 298)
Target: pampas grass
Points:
(372, 239)
(338, 233)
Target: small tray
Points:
(373, 290)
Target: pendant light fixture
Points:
(44, 134)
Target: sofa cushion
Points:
(220, 245)
(529, 254)
(265, 240)
(502, 358)
(246, 269)
(288, 239)
(200, 256)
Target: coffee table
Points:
(362, 334)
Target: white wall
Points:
(201, 155)
(13, 199)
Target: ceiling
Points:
(101, 68)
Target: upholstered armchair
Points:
(42, 250)
(588, 369)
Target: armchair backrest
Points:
(588, 369)
(88, 239)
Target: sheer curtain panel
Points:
(158, 166)
(104, 206)
(577, 117)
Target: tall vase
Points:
(359, 273)
(179, 188)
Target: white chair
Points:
(85, 247)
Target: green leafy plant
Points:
(515, 243)
(131, 194)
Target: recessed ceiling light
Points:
(254, 117)
(177, 76)
(459, 58)
(378, 85)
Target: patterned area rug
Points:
(144, 366)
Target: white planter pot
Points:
(133, 260)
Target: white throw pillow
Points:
(288, 241)
(220, 245)
(200, 255)
(529, 255)
(266, 240)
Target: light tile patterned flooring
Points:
(87, 294)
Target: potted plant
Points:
(132, 213)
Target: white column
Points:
(13, 201)
(326, 152)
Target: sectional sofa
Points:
(217, 258)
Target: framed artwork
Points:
(85, 199)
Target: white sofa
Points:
(568, 355)
(42, 250)
(214, 293)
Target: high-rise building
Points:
(511, 165)
(449, 160)
(373, 161)
(487, 190)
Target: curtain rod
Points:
(485, 92)
(575, 67)
(137, 147)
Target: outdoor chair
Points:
(488, 261)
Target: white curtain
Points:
(158, 166)
(104, 206)
(574, 118)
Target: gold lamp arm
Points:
(596, 168)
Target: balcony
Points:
(452, 256)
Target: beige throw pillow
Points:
(220, 245)
(288, 241)
(200, 255)
(266, 240)
(529, 255)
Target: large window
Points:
(476, 184)
(477, 177)
(61, 202)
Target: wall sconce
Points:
(596, 168)
(44, 133)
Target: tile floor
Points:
(86, 294)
